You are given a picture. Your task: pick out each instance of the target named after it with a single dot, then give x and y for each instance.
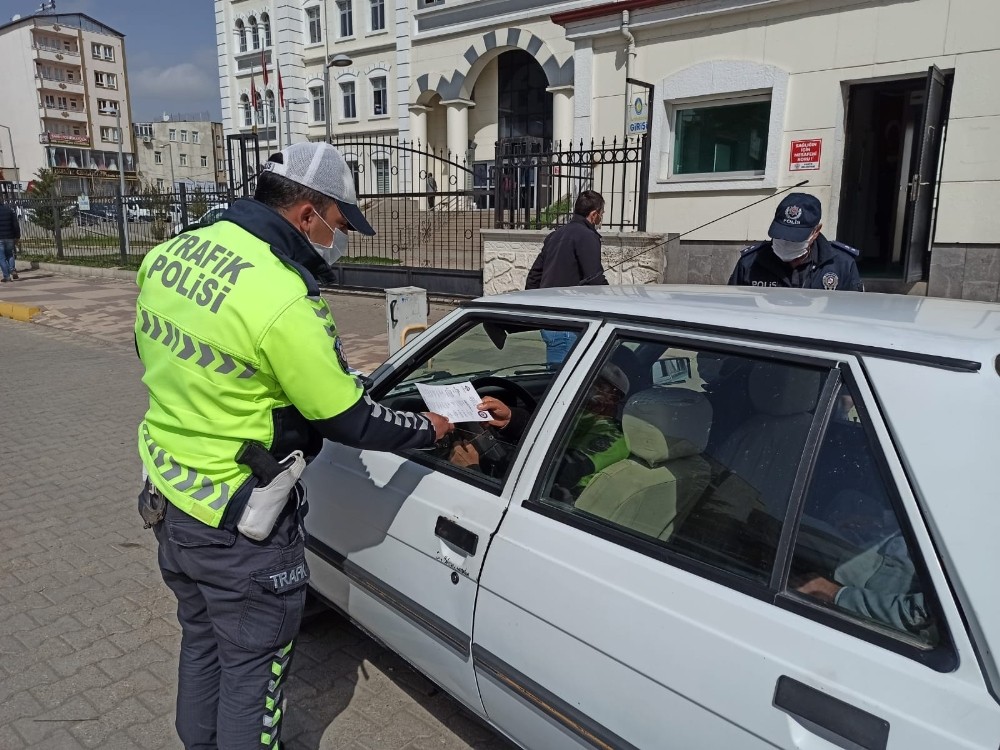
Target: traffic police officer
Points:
(246, 377)
(798, 255)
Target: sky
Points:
(170, 55)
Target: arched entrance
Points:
(524, 106)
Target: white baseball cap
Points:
(321, 167)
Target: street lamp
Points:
(288, 117)
(17, 175)
(339, 60)
(117, 112)
(173, 182)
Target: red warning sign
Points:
(805, 155)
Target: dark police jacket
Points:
(10, 229)
(831, 265)
(570, 256)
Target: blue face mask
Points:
(330, 253)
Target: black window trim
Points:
(835, 347)
(941, 658)
(384, 378)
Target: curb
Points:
(14, 311)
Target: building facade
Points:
(883, 109)
(176, 151)
(886, 108)
(67, 74)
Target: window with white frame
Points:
(204, 161)
(109, 134)
(195, 138)
(377, 15)
(349, 99)
(105, 106)
(104, 80)
(726, 136)
(144, 129)
(380, 96)
(272, 111)
(183, 158)
(157, 157)
(381, 174)
(254, 32)
(184, 136)
(245, 109)
(50, 101)
(315, 25)
(62, 102)
(102, 51)
(159, 185)
(345, 9)
(265, 22)
(241, 35)
(172, 134)
(319, 104)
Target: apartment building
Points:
(176, 151)
(67, 73)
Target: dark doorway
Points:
(894, 134)
(525, 107)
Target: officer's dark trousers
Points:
(239, 603)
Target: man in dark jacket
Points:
(570, 256)
(797, 255)
(10, 233)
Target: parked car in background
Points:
(211, 216)
(97, 214)
(731, 518)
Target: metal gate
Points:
(427, 211)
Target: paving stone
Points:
(88, 633)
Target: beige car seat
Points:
(666, 430)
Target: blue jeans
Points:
(557, 345)
(6, 257)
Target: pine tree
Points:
(44, 193)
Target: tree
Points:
(49, 210)
(159, 206)
(198, 204)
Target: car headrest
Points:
(780, 389)
(661, 424)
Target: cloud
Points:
(178, 82)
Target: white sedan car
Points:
(730, 518)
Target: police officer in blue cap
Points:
(798, 255)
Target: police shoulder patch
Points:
(753, 248)
(846, 248)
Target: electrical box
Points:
(405, 314)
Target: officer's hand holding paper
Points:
(456, 401)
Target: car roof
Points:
(928, 327)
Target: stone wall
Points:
(965, 272)
(693, 262)
(509, 253)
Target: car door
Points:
(716, 589)
(397, 540)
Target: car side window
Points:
(691, 451)
(851, 553)
(502, 359)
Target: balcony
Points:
(58, 114)
(45, 53)
(53, 84)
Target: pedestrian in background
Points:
(432, 188)
(10, 235)
(570, 256)
(798, 255)
(246, 377)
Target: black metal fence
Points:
(536, 182)
(107, 230)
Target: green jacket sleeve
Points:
(300, 350)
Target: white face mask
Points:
(788, 250)
(330, 253)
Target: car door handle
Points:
(456, 535)
(832, 719)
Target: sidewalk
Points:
(104, 308)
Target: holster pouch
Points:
(152, 505)
(266, 502)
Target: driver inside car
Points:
(597, 440)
